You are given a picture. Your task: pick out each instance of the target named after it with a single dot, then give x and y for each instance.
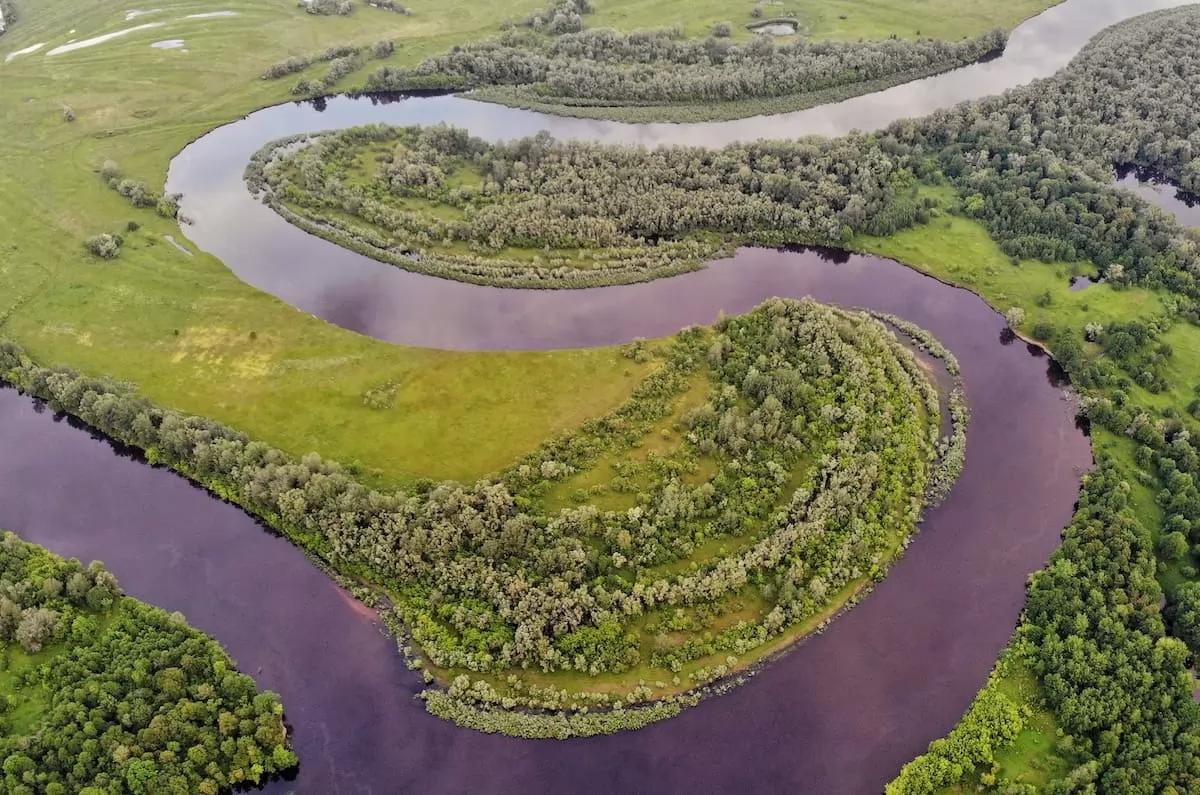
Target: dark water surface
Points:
(1161, 193)
(839, 714)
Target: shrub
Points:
(104, 245)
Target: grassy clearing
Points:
(28, 704)
(1033, 758)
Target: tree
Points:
(37, 626)
(1173, 546)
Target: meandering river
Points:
(838, 714)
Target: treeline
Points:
(1117, 683)
(585, 214)
(131, 699)
(1033, 165)
(328, 8)
(343, 60)
(487, 582)
(605, 67)
(345, 8)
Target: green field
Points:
(187, 343)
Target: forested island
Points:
(102, 693)
(547, 214)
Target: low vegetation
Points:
(102, 693)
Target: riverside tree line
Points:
(1034, 165)
(121, 696)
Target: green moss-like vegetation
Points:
(165, 708)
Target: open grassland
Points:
(184, 329)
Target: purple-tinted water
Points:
(839, 714)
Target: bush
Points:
(327, 8)
(1173, 546)
(104, 246)
(1043, 331)
(110, 172)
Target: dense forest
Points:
(764, 474)
(542, 213)
(553, 59)
(102, 693)
(1117, 683)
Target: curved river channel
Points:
(840, 713)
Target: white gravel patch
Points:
(27, 51)
(79, 45)
(169, 44)
(213, 14)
